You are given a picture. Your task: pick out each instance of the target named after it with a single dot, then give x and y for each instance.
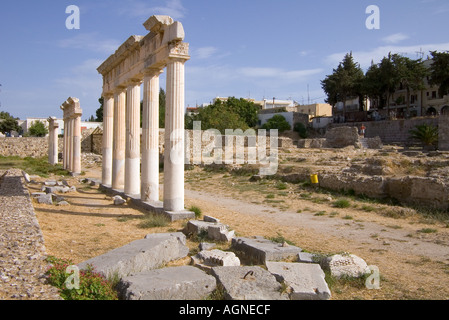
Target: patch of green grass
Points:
(320, 213)
(428, 230)
(196, 210)
(281, 186)
(280, 239)
(153, 221)
(342, 203)
(347, 217)
(32, 166)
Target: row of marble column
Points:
(131, 164)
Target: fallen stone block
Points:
(305, 280)
(26, 176)
(140, 255)
(208, 259)
(206, 246)
(211, 219)
(248, 283)
(118, 200)
(306, 257)
(214, 230)
(220, 233)
(345, 265)
(45, 199)
(173, 283)
(260, 250)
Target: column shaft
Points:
(76, 158)
(174, 138)
(150, 139)
(132, 154)
(118, 155)
(108, 128)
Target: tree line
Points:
(381, 80)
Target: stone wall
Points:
(24, 147)
(390, 132)
(443, 136)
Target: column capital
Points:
(108, 95)
(152, 72)
(133, 82)
(119, 89)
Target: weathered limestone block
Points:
(215, 230)
(261, 250)
(207, 259)
(341, 265)
(341, 137)
(305, 280)
(174, 283)
(141, 255)
(248, 283)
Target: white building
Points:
(26, 124)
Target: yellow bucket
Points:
(314, 178)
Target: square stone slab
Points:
(261, 250)
(306, 280)
(248, 283)
(174, 283)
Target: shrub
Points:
(301, 129)
(277, 122)
(92, 285)
(426, 134)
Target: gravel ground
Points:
(22, 250)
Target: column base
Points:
(151, 206)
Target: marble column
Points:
(108, 129)
(132, 145)
(118, 145)
(150, 137)
(70, 145)
(65, 146)
(76, 157)
(53, 141)
(174, 137)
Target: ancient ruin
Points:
(72, 135)
(142, 59)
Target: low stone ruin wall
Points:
(428, 192)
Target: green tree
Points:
(411, 74)
(344, 83)
(439, 71)
(162, 102)
(277, 122)
(99, 112)
(381, 81)
(37, 129)
(8, 123)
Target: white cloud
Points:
(90, 41)
(376, 55)
(296, 75)
(205, 52)
(395, 38)
(137, 8)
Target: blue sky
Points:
(241, 48)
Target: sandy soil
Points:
(413, 264)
